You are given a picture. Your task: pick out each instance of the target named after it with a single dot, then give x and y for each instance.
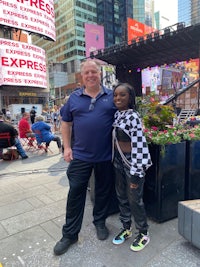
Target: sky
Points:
(168, 8)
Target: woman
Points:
(43, 132)
(131, 160)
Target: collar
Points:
(82, 91)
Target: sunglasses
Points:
(91, 106)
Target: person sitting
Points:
(43, 133)
(25, 128)
(14, 140)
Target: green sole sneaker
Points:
(140, 242)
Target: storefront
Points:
(22, 95)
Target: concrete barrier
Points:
(189, 221)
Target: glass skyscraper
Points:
(189, 11)
(71, 16)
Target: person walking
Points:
(90, 110)
(33, 114)
(55, 118)
(131, 160)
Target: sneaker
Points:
(102, 232)
(63, 245)
(122, 236)
(140, 242)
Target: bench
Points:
(189, 221)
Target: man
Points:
(24, 126)
(6, 127)
(33, 114)
(90, 109)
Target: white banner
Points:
(35, 16)
(22, 64)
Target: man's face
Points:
(91, 75)
(27, 116)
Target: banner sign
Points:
(94, 38)
(35, 16)
(22, 64)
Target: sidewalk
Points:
(32, 211)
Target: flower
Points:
(191, 133)
(158, 115)
(167, 136)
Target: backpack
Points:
(10, 154)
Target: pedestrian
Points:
(33, 114)
(131, 160)
(55, 118)
(6, 127)
(90, 110)
(43, 133)
(8, 115)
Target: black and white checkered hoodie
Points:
(130, 123)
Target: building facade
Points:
(24, 79)
(189, 11)
(70, 19)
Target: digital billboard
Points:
(22, 64)
(137, 29)
(94, 38)
(151, 78)
(35, 16)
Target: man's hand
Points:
(68, 154)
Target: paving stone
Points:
(23, 243)
(14, 209)
(3, 233)
(29, 219)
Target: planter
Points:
(192, 180)
(165, 181)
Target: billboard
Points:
(94, 38)
(22, 64)
(36, 16)
(137, 29)
(151, 78)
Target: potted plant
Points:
(192, 176)
(164, 186)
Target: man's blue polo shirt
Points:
(92, 129)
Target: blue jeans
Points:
(129, 189)
(79, 173)
(19, 147)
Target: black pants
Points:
(129, 189)
(57, 140)
(79, 173)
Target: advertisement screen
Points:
(137, 29)
(36, 16)
(94, 38)
(22, 64)
(151, 78)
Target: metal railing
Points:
(180, 92)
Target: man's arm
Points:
(66, 130)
